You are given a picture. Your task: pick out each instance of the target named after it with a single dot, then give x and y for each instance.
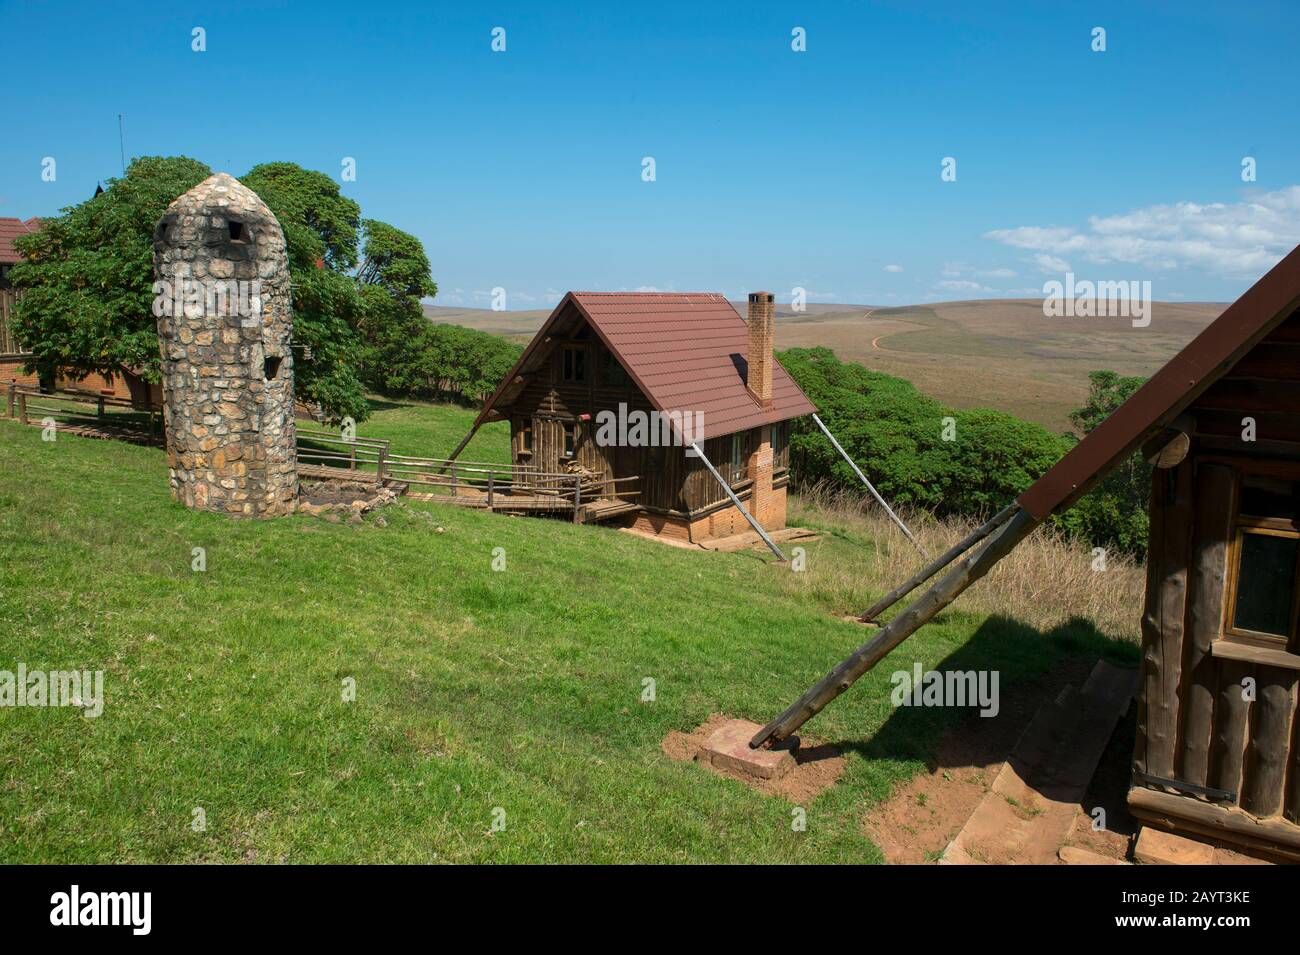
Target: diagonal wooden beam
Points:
(899, 629)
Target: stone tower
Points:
(224, 326)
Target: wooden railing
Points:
(21, 402)
(477, 483)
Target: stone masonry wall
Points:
(222, 299)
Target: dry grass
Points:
(1045, 581)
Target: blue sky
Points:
(774, 168)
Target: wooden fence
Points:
(26, 403)
(502, 487)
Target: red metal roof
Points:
(686, 351)
(11, 229)
(1182, 380)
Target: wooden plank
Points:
(1270, 735)
(1222, 822)
(1249, 653)
(1214, 484)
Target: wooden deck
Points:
(583, 496)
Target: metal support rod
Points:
(944, 592)
(936, 565)
(699, 452)
(874, 493)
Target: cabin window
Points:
(575, 364)
(525, 436)
(778, 437)
(737, 451)
(568, 439)
(1265, 559)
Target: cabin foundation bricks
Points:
(224, 327)
(728, 749)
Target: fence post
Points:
(490, 482)
(22, 408)
(577, 497)
(13, 386)
(383, 454)
(99, 407)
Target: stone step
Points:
(1028, 812)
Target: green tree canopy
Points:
(88, 274)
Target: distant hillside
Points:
(996, 353)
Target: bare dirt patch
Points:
(817, 765)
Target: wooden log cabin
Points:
(1218, 745)
(602, 357)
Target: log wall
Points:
(1213, 717)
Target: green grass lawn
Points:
(476, 690)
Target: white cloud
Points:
(1050, 263)
(1242, 238)
(963, 285)
(893, 268)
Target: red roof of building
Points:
(1185, 377)
(685, 351)
(11, 229)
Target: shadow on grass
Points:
(1032, 666)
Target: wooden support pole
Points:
(899, 629)
(936, 565)
(460, 447)
(13, 386)
(874, 493)
(771, 544)
(577, 497)
(22, 408)
(489, 497)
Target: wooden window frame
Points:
(569, 442)
(1240, 525)
(736, 456)
(525, 437)
(569, 366)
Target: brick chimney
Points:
(762, 319)
(758, 379)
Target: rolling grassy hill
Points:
(476, 690)
(996, 353)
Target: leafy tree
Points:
(896, 434)
(87, 275)
(1106, 392)
(395, 261)
(1114, 513)
(321, 229)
